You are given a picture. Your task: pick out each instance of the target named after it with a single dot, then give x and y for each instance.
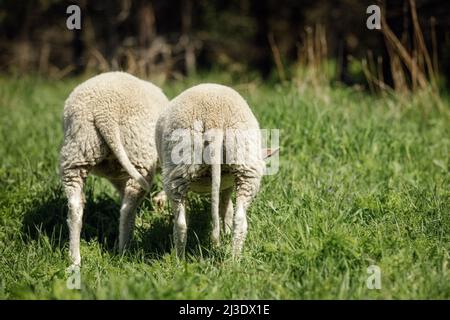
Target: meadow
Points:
(363, 180)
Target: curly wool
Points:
(213, 106)
(111, 109)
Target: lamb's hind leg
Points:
(73, 181)
(226, 210)
(132, 195)
(160, 199)
(245, 192)
(179, 226)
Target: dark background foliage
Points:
(178, 37)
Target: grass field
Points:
(363, 181)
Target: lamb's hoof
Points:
(76, 262)
(73, 274)
(227, 230)
(160, 199)
(215, 241)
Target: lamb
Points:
(109, 126)
(221, 118)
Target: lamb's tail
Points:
(215, 184)
(215, 180)
(111, 134)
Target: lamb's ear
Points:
(268, 152)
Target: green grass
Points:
(363, 181)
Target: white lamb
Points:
(221, 118)
(109, 126)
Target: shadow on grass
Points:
(157, 239)
(48, 215)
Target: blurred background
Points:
(308, 41)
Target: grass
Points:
(363, 181)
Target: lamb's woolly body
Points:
(199, 109)
(214, 107)
(109, 125)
